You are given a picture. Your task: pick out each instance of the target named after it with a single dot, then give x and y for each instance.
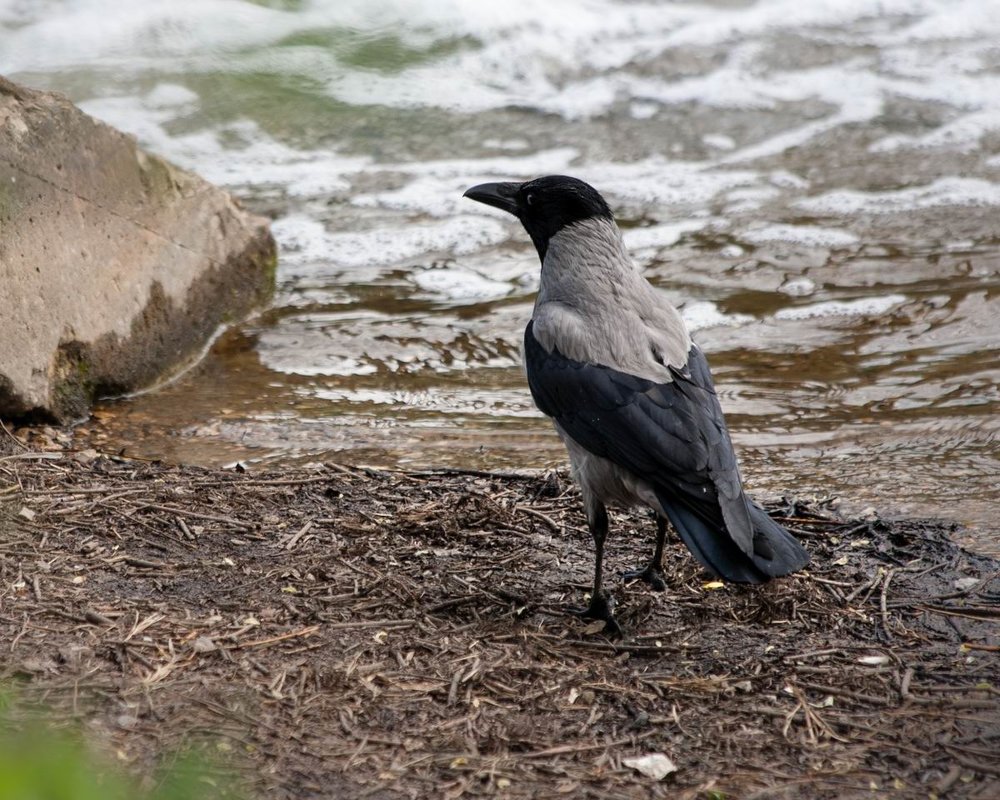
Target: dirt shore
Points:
(339, 632)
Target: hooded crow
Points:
(610, 360)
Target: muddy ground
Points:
(338, 632)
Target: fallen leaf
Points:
(203, 644)
(655, 765)
(26, 513)
(873, 661)
(964, 584)
(713, 585)
(86, 456)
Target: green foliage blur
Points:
(41, 762)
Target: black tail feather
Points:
(712, 546)
(776, 551)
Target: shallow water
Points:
(817, 184)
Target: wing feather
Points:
(672, 434)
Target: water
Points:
(817, 184)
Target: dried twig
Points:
(407, 635)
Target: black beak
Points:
(498, 195)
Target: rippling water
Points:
(817, 184)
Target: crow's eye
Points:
(529, 198)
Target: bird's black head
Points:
(545, 205)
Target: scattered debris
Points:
(656, 765)
(346, 632)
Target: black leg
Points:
(600, 604)
(652, 573)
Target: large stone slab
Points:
(115, 266)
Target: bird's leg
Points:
(652, 573)
(600, 604)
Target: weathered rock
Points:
(115, 266)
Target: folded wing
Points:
(672, 435)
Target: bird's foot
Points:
(600, 608)
(651, 574)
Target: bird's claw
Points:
(649, 574)
(600, 609)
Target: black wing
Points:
(672, 435)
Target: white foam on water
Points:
(519, 40)
(749, 198)
(436, 187)
(515, 402)
(658, 181)
(663, 235)
(142, 35)
(787, 180)
(954, 20)
(326, 364)
(356, 341)
(915, 78)
(575, 59)
(942, 192)
(798, 287)
(236, 154)
(170, 95)
(507, 144)
(565, 56)
(457, 283)
(304, 239)
(301, 346)
(863, 307)
(719, 141)
(641, 110)
(962, 134)
(806, 235)
(702, 314)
